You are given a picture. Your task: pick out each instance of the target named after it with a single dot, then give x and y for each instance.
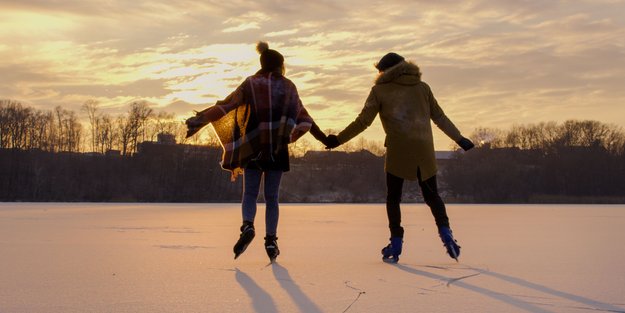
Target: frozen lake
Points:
(178, 258)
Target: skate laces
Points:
(247, 226)
(271, 241)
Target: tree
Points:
(487, 137)
(107, 135)
(68, 130)
(91, 108)
(133, 126)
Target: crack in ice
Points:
(360, 293)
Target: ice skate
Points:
(390, 253)
(453, 249)
(247, 234)
(271, 246)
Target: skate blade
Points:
(237, 254)
(244, 241)
(452, 252)
(390, 260)
(453, 255)
(272, 258)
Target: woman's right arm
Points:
(215, 112)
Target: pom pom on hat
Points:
(269, 59)
(261, 47)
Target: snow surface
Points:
(178, 258)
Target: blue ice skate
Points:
(453, 249)
(390, 253)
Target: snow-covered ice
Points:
(178, 258)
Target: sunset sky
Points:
(490, 63)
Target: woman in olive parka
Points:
(406, 105)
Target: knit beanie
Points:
(269, 59)
(389, 60)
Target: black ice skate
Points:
(247, 234)
(271, 246)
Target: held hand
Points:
(465, 144)
(331, 142)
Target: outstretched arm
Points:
(213, 113)
(444, 123)
(364, 120)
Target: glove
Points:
(465, 144)
(194, 124)
(331, 142)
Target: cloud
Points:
(247, 21)
(490, 63)
(282, 33)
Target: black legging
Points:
(394, 186)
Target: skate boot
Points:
(271, 246)
(453, 249)
(247, 234)
(390, 253)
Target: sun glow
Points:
(34, 25)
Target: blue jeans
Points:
(251, 187)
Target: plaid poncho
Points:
(259, 117)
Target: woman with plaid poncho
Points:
(255, 124)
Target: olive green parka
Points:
(406, 105)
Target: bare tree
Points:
(91, 108)
(68, 130)
(132, 126)
(487, 137)
(300, 147)
(15, 124)
(107, 136)
(4, 123)
(124, 133)
(139, 114)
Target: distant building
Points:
(444, 157)
(113, 153)
(166, 139)
(441, 156)
(166, 145)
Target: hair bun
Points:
(261, 47)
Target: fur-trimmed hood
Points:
(405, 73)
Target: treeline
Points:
(572, 162)
(172, 176)
(40, 160)
(180, 173)
(91, 130)
(61, 130)
(26, 128)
